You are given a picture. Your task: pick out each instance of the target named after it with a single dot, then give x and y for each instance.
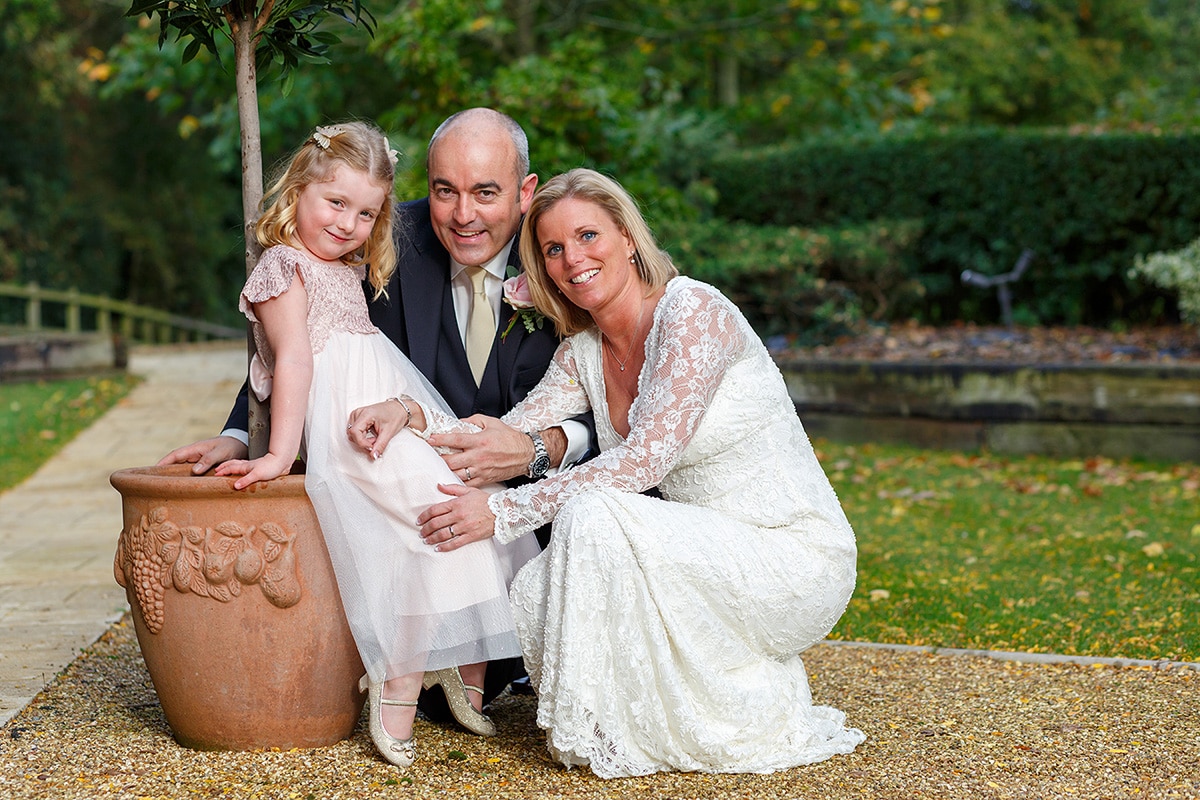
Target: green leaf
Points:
(192, 50)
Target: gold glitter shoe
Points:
(401, 752)
(456, 697)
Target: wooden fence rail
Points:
(132, 322)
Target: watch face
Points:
(540, 465)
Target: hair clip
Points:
(394, 155)
(323, 134)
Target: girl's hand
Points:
(464, 519)
(265, 468)
(370, 428)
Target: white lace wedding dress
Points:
(664, 634)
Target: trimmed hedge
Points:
(1086, 204)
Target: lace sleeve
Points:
(697, 335)
(438, 421)
(557, 397)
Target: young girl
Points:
(415, 613)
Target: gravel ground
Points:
(937, 726)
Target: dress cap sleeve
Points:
(271, 277)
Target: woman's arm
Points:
(699, 336)
(285, 322)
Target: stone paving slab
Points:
(58, 529)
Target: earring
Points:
(633, 257)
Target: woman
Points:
(660, 633)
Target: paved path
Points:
(58, 529)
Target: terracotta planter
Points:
(236, 610)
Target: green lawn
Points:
(1093, 557)
(39, 417)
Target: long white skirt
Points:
(664, 636)
(410, 608)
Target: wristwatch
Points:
(541, 458)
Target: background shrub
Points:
(1086, 204)
(803, 284)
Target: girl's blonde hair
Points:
(654, 266)
(358, 145)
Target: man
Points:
(460, 237)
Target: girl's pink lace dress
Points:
(410, 607)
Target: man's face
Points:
(475, 197)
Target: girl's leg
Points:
(472, 675)
(398, 720)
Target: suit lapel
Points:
(425, 292)
(508, 348)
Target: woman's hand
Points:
(265, 468)
(371, 427)
(464, 519)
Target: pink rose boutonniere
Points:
(517, 295)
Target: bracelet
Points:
(407, 410)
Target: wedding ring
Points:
(468, 471)
(451, 529)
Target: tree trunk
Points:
(727, 79)
(244, 37)
(523, 14)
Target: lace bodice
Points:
(335, 296)
(712, 424)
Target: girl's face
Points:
(586, 253)
(334, 218)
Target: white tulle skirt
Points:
(410, 607)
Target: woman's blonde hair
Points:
(654, 266)
(358, 145)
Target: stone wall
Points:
(1147, 411)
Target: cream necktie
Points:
(481, 324)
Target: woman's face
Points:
(587, 255)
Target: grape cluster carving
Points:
(155, 554)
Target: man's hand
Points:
(206, 454)
(495, 454)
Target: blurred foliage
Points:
(1178, 271)
(1093, 557)
(124, 175)
(801, 286)
(773, 274)
(1085, 204)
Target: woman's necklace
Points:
(632, 343)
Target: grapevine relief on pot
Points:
(156, 554)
